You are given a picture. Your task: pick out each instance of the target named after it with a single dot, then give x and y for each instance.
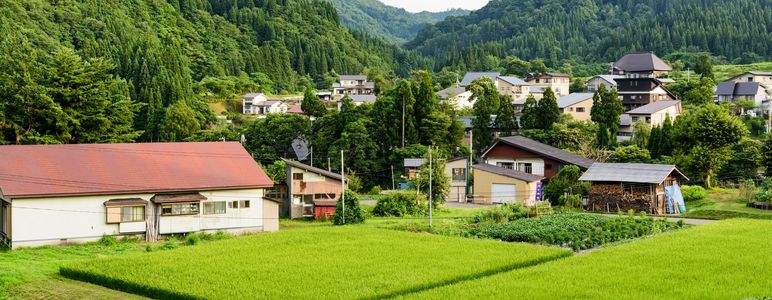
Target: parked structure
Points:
(324, 96)
(732, 91)
(514, 87)
(578, 105)
(637, 92)
(640, 65)
(352, 85)
(641, 187)
(654, 114)
(412, 166)
(471, 76)
(308, 187)
(494, 184)
(60, 194)
(456, 170)
(608, 80)
(457, 96)
(559, 82)
(529, 156)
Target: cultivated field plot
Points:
(327, 262)
(724, 260)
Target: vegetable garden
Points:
(323, 262)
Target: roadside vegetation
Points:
(719, 204)
(334, 262)
(723, 260)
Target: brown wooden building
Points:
(640, 187)
(637, 92)
(532, 157)
(308, 187)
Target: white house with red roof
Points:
(59, 194)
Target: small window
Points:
(459, 174)
(297, 176)
(180, 209)
(233, 204)
(506, 165)
(244, 204)
(133, 214)
(214, 208)
(525, 167)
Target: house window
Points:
(324, 196)
(244, 203)
(180, 209)
(459, 174)
(297, 176)
(506, 165)
(525, 167)
(214, 208)
(580, 109)
(233, 204)
(133, 214)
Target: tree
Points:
(547, 110)
(577, 85)
(505, 118)
(312, 106)
(179, 123)
(487, 103)
(269, 139)
(440, 180)
(700, 91)
(405, 102)
(605, 111)
(529, 114)
(641, 134)
(516, 66)
(706, 138)
(426, 104)
(747, 159)
(565, 182)
(277, 171)
(630, 154)
(768, 155)
(353, 212)
(704, 66)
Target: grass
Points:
(321, 262)
(723, 204)
(724, 260)
(724, 72)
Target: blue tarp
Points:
(674, 199)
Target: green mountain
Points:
(177, 50)
(599, 31)
(393, 24)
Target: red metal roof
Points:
(296, 110)
(46, 170)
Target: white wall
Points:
(537, 164)
(45, 221)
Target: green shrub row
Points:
(402, 203)
(693, 192)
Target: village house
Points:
(514, 87)
(352, 85)
(61, 194)
(324, 96)
(494, 185)
(654, 114)
(529, 156)
(311, 191)
(637, 92)
(258, 104)
(650, 188)
(764, 78)
(559, 82)
(577, 105)
(459, 97)
(456, 170)
(471, 76)
(412, 167)
(596, 81)
(640, 65)
(731, 91)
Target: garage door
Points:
(503, 193)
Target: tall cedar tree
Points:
(487, 104)
(312, 106)
(768, 155)
(425, 98)
(605, 111)
(405, 104)
(505, 118)
(530, 114)
(548, 110)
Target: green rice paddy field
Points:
(724, 260)
(323, 262)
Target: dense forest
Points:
(170, 52)
(393, 24)
(600, 31)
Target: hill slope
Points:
(393, 24)
(598, 30)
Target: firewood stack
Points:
(612, 198)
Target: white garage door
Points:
(503, 193)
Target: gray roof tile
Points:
(573, 98)
(653, 107)
(637, 173)
(544, 149)
(641, 62)
(507, 172)
(471, 76)
(414, 162)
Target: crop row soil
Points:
(324, 262)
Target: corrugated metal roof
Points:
(513, 80)
(353, 77)
(653, 107)
(611, 79)
(573, 98)
(451, 91)
(471, 76)
(543, 149)
(308, 168)
(362, 98)
(507, 172)
(641, 62)
(636, 173)
(106, 169)
(414, 162)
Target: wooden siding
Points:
(502, 150)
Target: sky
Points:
(435, 5)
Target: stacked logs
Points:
(610, 197)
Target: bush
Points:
(193, 239)
(108, 240)
(500, 214)
(401, 203)
(376, 190)
(574, 201)
(168, 245)
(353, 214)
(765, 191)
(693, 192)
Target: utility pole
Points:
(343, 187)
(393, 184)
(403, 121)
(430, 186)
(329, 169)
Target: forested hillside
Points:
(586, 31)
(161, 54)
(393, 24)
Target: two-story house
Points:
(654, 114)
(258, 104)
(514, 87)
(310, 188)
(596, 81)
(456, 170)
(641, 64)
(578, 105)
(764, 78)
(459, 97)
(532, 157)
(635, 92)
(734, 91)
(352, 85)
(538, 83)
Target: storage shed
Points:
(652, 188)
